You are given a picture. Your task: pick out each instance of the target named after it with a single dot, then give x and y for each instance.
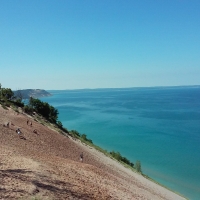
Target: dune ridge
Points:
(47, 165)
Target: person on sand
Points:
(35, 131)
(81, 157)
(18, 131)
(27, 121)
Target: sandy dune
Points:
(46, 165)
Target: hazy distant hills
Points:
(35, 93)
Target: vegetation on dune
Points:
(138, 166)
(113, 154)
(8, 99)
(43, 108)
(82, 137)
(7, 93)
(119, 157)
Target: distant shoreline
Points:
(127, 88)
(35, 93)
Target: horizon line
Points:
(103, 88)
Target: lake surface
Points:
(159, 126)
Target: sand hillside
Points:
(46, 165)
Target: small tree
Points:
(59, 123)
(53, 114)
(75, 133)
(138, 166)
(7, 93)
(43, 108)
(84, 136)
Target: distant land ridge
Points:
(35, 93)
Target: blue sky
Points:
(70, 44)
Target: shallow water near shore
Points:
(158, 126)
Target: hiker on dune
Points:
(81, 157)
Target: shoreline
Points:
(120, 167)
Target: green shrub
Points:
(65, 130)
(7, 104)
(84, 137)
(28, 109)
(18, 103)
(138, 166)
(43, 108)
(59, 123)
(15, 109)
(119, 157)
(75, 133)
(6, 93)
(4, 107)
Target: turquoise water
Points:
(158, 126)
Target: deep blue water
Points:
(158, 126)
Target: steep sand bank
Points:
(47, 165)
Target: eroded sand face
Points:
(47, 165)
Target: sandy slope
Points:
(47, 165)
